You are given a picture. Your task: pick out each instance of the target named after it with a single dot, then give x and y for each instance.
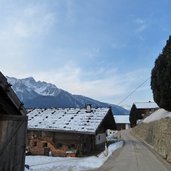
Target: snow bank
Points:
(157, 115)
(44, 163)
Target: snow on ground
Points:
(45, 163)
(157, 115)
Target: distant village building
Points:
(13, 128)
(122, 122)
(146, 108)
(141, 110)
(68, 132)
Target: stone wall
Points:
(158, 135)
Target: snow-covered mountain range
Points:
(38, 94)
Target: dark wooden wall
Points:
(12, 142)
(83, 143)
(120, 126)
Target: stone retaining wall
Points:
(158, 135)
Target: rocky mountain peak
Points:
(39, 94)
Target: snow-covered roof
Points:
(68, 119)
(146, 105)
(157, 115)
(122, 119)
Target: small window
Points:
(45, 144)
(35, 143)
(59, 145)
(84, 144)
(72, 145)
(99, 137)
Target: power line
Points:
(133, 91)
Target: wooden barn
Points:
(145, 108)
(141, 110)
(13, 127)
(68, 132)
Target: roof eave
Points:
(59, 130)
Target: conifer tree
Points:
(161, 78)
(132, 116)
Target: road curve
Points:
(134, 156)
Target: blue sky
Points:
(103, 49)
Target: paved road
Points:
(134, 156)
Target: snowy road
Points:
(134, 156)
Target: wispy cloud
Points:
(30, 21)
(141, 25)
(110, 83)
(21, 28)
(92, 53)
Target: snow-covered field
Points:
(157, 115)
(44, 163)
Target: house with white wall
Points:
(122, 121)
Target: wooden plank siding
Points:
(60, 142)
(12, 142)
(13, 127)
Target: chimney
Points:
(88, 108)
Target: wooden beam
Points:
(13, 117)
